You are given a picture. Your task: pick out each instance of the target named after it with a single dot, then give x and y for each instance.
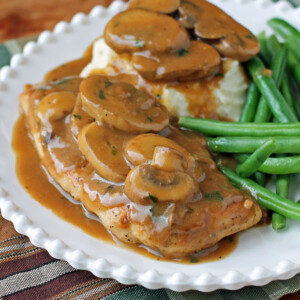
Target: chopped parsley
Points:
(249, 36)
(139, 44)
(222, 36)
(214, 196)
(153, 198)
(110, 187)
(182, 52)
(63, 81)
(77, 116)
(149, 119)
(101, 95)
(158, 96)
(193, 259)
(114, 151)
(219, 74)
(107, 84)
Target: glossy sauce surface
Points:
(38, 186)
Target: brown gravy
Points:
(37, 185)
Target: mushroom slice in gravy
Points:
(140, 149)
(169, 159)
(146, 184)
(121, 105)
(229, 37)
(103, 147)
(140, 29)
(79, 117)
(55, 106)
(166, 6)
(200, 60)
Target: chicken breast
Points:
(173, 228)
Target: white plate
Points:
(262, 255)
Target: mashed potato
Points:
(220, 96)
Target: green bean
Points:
(296, 96)
(220, 128)
(254, 161)
(267, 87)
(249, 108)
(264, 197)
(282, 189)
(273, 45)
(245, 144)
(260, 178)
(283, 28)
(264, 52)
(278, 221)
(294, 45)
(294, 66)
(263, 113)
(286, 92)
(278, 65)
(281, 165)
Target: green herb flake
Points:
(151, 210)
(193, 259)
(153, 198)
(114, 151)
(249, 36)
(214, 196)
(219, 74)
(222, 36)
(182, 52)
(110, 187)
(139, 44)
(149, 119)
(63, 81)
(158, 96)
(77, 116)
(101, 95)
(107, 84)
(188, 209)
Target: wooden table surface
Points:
(23, 18)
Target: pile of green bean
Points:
(266, 140)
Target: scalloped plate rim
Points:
(178, 281)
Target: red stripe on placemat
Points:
(24, 264)
(55, 286)
(94, 288)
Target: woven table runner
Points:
(29, 272)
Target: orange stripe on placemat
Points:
(103, 286)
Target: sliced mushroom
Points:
(229, 37)
(169, 159)
(79, 117)
(103, 147)
(140, 29)
(122, 106)
(55, 106)
(166, 6)
(146, 184)
(240, 46)
(199, 61)
(140, 149)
